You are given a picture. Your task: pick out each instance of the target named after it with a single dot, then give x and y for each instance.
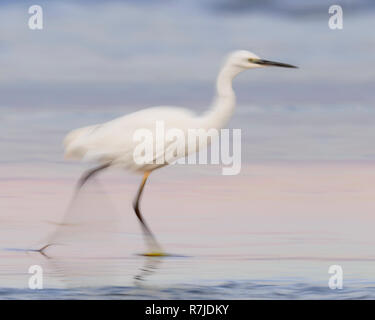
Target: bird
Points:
(112, 144)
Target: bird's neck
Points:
(225, 100)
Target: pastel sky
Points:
(109, 54)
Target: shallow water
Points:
(274, 239)
(211, 277)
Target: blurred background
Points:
(95, 60)
(304, 197)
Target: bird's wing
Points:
(113, 141)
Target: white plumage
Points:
(113, 144)
(113, 141)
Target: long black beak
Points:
(273, 63)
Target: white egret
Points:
(112, 145)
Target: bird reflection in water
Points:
(151, 265)
(87, 246)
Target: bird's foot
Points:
(43, 249)
(155, 254)
(154, 248)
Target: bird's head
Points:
(247, 60)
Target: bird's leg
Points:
(84, 178)
(89, 174)
(154, 246)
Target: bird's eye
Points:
(251, 60)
